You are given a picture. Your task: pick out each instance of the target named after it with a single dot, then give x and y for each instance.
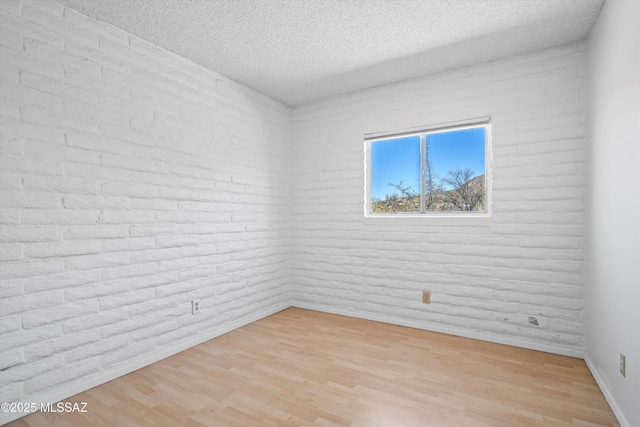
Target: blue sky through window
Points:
(396, 160)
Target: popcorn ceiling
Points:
(297, 51)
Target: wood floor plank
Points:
(302, 368)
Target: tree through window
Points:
(439, 170)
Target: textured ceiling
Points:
(297, 51)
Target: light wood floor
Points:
(301, 367)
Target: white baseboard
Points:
(547, 348)
(606, 392)
(67, 392)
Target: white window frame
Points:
(369, 138)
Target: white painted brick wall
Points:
(132, 181)
(487, 276)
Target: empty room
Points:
(319, 212)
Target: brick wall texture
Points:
(134, 181)
(488, 276)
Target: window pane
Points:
(395, 175)
(455, 170)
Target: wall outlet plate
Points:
(195, 306)
(426, 297)
(623, 365)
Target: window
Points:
(437, 170)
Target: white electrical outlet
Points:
(195, 306)
(623, 365)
